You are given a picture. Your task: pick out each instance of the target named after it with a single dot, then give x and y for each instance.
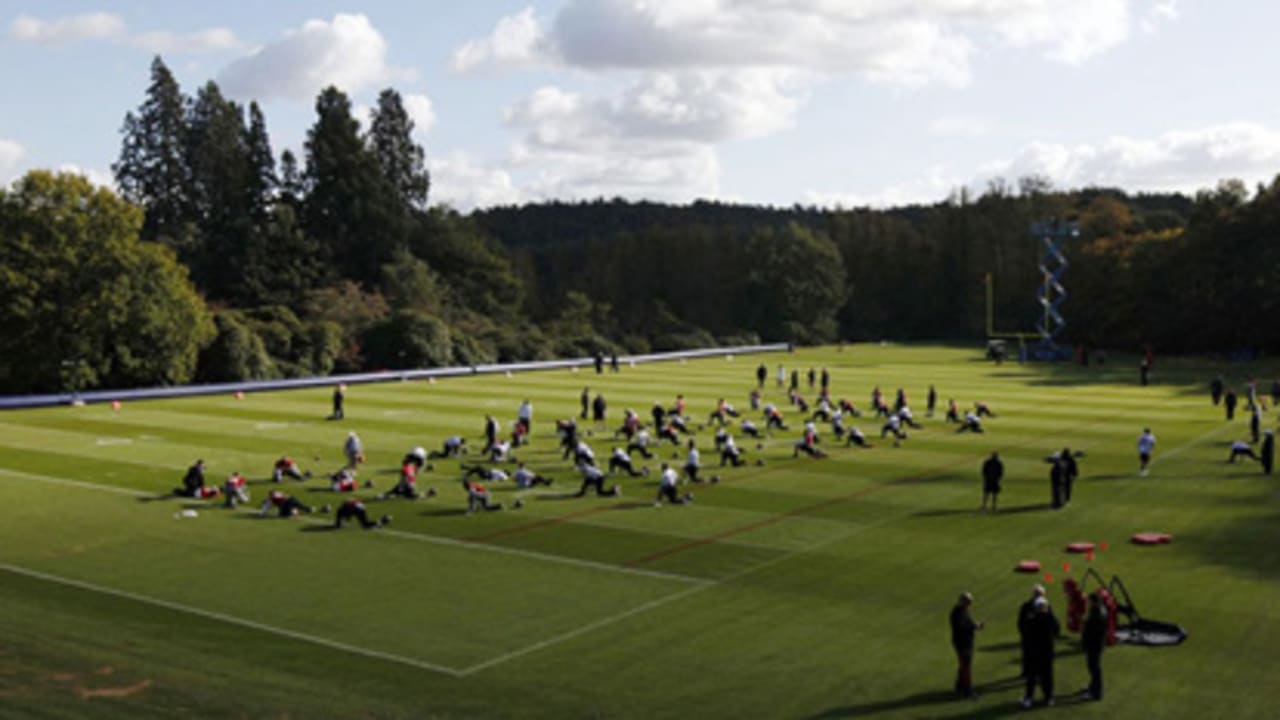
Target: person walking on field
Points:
(963, 627)
(1093, 639)
(1146, 443)
(1255, 423)
(585, 399)
(1229, 402)
(992, 474)
(761, 373)
(1215, 390)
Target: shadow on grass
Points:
(1014, 510)
(921, 700)
(319, 528)
(445, 512)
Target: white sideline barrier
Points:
(12, 402)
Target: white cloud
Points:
(516, 40)
(202, 41)
(421, 112)
(906, 42)
(655, 139)
(1160, 11)
(933, 185)
(1184, 160)
(347, 52)
(105, 26)
(95, 176)
(464, 183)
(958, 126)
(67, 29)
(11, 154)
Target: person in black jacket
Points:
(963, 627)
(1042, 632)
(1094, 639)
(1268, 451)
(1215, 390)
(598, 408)
(761, 372)
(1230, 402)
(585, 398)
(992, 474)
(1026, 612)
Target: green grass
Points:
(798, 589)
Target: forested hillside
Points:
(221, 260)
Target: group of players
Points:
(670, 425)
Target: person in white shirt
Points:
(452, 448)
(971, 422)
(693, 462)
(640, 443)
(620, 460)
(1240, 448)
(583, 454)
(526, 478)
(857, 438)
(500, 452)
(525, 416)
(593, 477)
(667, 488)
(750, 429)
(907, 418)
(353, 450)
(1146, 443)
(729, 452)
(894, 425)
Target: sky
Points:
(779, 102)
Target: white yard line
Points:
(232, 620)
(1188, 444)
(418, 537)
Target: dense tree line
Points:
(220, 260)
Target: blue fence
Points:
(11, 402)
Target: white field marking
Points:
(583, 629)
(680, 595)
(113, 441)
(431, 539)
(270, 425)
(233, 620)
(1188, 444)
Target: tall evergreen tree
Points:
(293, 187)
(152, 170)
(218, 157)
(261, 181)
(401, 160)
(350, 208)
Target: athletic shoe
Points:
(1026, 703)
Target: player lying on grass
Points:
(857, 438)
(353, 509)
(593, 477)
(284, 504)
(749, 429)
(342, 481)
(453, 447)
(526, 478)
(407, 486)
(501, 452)
(234, 490)
(667, 488)
(286, 467)
(620, 460)
(478, 497)
(971, 423)
(484, 473)
(193, 485)
(722, 413)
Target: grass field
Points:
(803, 588)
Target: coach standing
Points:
(963, 627)
(992, 474)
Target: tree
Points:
(218, 160)
(152, 170)
(408, 339)
(400, 159)
(350, 209)
(798, 285)
(260, 178)
(81, 292)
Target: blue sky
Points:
(832, 102)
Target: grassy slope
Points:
(797, 589)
